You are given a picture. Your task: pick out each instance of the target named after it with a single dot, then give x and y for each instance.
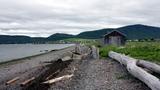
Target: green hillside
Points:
(132, 32)
(140, 31)
(59, 36)
(94, 34)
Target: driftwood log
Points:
(12, 80)
(77, 57)
(66, 58)
(26, 82)
(52, 75)
(149, 65)
(57, 79)
(150, 80)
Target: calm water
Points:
(16, 51)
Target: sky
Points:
(42, 18)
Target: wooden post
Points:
(95, 52)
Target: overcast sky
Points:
(46, 17)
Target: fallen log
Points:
(150, 80)
(57, 79)
(147, 70)
(52, 74)
(12, 80)
(77, 57)
(149, 65)
(27, 81)
(68, 53)
(66, 58)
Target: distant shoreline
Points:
(13, 61)
(23, 68)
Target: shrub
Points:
(105, 50)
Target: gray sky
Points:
(46, 17)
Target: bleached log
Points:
(147, 70)
(66, 58)
(77, 57)
(150, 80)
(58, 79)
(68, 53)
(12, 80)
(27, 81)
(149, 65)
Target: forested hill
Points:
(6, 39)
(94, 34)
(59, 36)
(140, 31)
(132, 32)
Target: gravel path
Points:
(99, 75)
(88, 74)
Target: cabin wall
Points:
(114, 40)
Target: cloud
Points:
(46, 17)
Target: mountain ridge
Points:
(137, 31)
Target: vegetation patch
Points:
(139, 50)
(89, 42)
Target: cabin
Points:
(114, 38)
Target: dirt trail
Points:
(100, 75)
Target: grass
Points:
(140, 50)
(88, 42)
(80, 40)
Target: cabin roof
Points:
(115, 31)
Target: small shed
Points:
(114, 38)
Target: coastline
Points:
(14, 61)
(86, 71)
(24, 67)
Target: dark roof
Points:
(115, 31)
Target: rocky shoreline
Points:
(89, 72)
(26, 68)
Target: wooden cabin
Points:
(114, 38)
